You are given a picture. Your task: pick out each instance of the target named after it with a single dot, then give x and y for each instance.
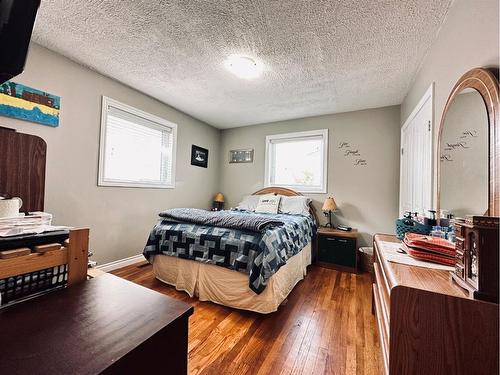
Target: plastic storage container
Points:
(410, 225)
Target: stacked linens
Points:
(431, 249)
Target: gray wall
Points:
(469, 38)
(367, 196)
(119, 218)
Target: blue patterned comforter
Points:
(259, 254)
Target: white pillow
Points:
(268, 204)
(296, 205)
(249, 202)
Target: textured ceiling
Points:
(319, 56)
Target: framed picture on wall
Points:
(28, 104)
(199, 156)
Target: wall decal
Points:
(351, 150)
(446, 157)
(469, 134)
(459, 145)
(453, 146)
(28, 104)
(351, 153)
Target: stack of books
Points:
(431, 249)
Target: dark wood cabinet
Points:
(476, 267)
(104, 325)
(337, 249)
(22, 168)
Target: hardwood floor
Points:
(326, 327)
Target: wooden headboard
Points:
(22, 168)
(287, 193)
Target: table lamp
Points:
(328, 207)
(218, 202)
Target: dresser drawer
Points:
(459, 244)
(337, 250)
(459, 271)
(382, 332)
(459, 230)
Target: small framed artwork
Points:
(199, 156)
(241, 156)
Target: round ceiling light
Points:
(243, 67)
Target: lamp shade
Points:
(219, 197)
(329, 205)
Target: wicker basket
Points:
(366, 260)
(408, 225)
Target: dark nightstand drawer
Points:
(337, 250)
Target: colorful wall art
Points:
(28, 104)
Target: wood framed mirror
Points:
(468, 147)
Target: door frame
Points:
(429, 95)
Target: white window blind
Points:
(137, 149)
(297, 160)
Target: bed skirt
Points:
(230, 288)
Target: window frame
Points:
(293, 136)
(162, 124)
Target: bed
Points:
(234, 258)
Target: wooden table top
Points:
(433, 280)
(353, 233)
(84, 328)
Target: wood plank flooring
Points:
(325, 327)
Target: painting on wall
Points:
(28, 104)
(199, 156)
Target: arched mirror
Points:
(468, 142)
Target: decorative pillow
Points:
(296, 205)
(249, 202)
(268, 204)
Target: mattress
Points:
(230, 288)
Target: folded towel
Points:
(429, 243)
(429, 256)
(432, 249)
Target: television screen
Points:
(17, 18)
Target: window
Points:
(136, 149)
(297, 161)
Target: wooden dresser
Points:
(427, 324)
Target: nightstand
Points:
(337, 249)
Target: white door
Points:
(415, 192)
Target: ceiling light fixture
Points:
(243, 67)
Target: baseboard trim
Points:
(121, 263)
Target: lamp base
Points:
(329, 224)
(217, 206)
